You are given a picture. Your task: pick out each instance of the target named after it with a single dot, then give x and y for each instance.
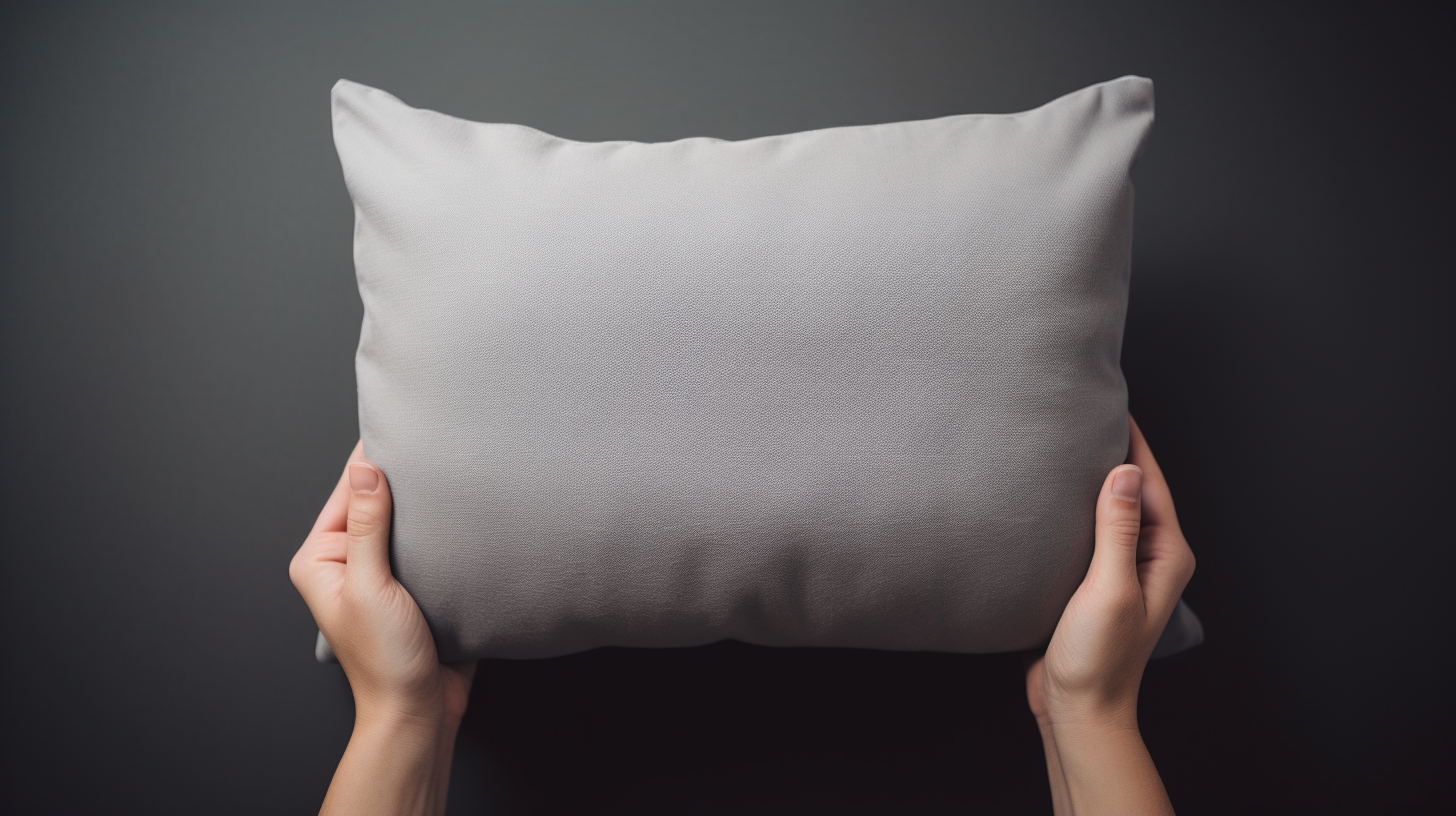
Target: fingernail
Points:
(1128, 484)
(363, 479)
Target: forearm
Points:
(1106, 769)
(395, 765)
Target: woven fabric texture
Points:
(854, 387)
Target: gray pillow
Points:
(855, 387)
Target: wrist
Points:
(405, 734)
(417, 715)
(397, 761)
(1089, 715)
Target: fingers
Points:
(1166, 562)
(336, 510)
(367, 523)
(320, 559)
(1119, 522)
(1157, 498)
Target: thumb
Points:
(370, 505)
(1119, 523)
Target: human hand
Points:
(407, 703)
(1083, 690)
(369, 619)
(1094, 664)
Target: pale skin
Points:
(407, 704)
(1083, 690)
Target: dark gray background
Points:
(179, 316)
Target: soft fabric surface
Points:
(850, 387)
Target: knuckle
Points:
(1125, 528)
(1181, 557)
(296, 570)
(1186, 565)
(363, 522)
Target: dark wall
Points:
(178, 316)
